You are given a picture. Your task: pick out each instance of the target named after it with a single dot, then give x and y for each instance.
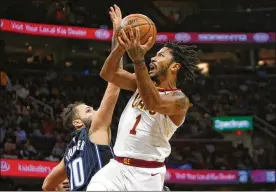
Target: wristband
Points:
(139, 62)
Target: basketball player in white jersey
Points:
(154, 112)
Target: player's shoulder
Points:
(180, 99)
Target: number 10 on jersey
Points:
(133, 130)
(76, 173)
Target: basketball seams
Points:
(145, 18)
(147, 26)
(148, 29)
(137, 25)
(149, 22)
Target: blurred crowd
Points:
(31, 128)
(226, 96)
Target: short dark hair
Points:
(187, 57)
(69, 114)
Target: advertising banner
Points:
(26, 168)
(219, 176)
(263, 176)
(106, 35)
(40, 169)
(202, 176)
(233, 123)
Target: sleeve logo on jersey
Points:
(139, 104)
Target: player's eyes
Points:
(88, 110)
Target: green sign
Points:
(233, 123)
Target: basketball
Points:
(145, 24)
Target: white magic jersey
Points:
(144, 134)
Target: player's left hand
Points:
(116, 17)
(132, 44)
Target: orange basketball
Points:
(145, 24)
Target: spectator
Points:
(28, 151)
(20, 135)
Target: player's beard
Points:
(161, 73)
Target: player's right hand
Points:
(64, 186)
(132, 44)
(116, 17)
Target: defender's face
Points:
(85, 114)
(159, 65)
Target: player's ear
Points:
(175, 67)
(78, 123)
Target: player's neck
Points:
(166, 84)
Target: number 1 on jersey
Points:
(133, 130)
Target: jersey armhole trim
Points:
(177, 126)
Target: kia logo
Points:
(161, 38)
(243, 176)
(102, 34)
(185, 37)
(4, 166)
(261, 37)
(168, 176)
(270, 176)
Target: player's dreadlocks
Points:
(187, 57)
(69, 114)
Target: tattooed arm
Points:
(175, 103)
